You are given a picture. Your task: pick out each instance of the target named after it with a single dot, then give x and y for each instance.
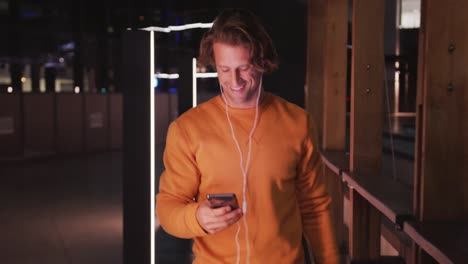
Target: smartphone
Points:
(222, 199)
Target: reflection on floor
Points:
(66, 210)
(69, 210)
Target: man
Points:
(250, 143)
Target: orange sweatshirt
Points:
(286, 196)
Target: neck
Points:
(251, 104)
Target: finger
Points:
(231, 216)
(214, 220)
(221, 211)
(224, 220)
(220, 226)
(226, 217)
(205, 216)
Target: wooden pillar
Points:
(334, 187)
(366, 124)
(327, 27)
(364, 228)
(334, 102)
(326, 89)
(443, 113)
(335, 65)
(316, 32)
(442, 116)
(367, 77)
(419, 111)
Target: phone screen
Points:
(223, 199)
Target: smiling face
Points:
(237, 76)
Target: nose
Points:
(236, 79)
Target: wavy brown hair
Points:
(240, 27)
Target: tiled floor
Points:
(62, 211)
(69, 211)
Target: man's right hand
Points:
(214, 220)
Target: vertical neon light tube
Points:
(152, 151)
(194, 82)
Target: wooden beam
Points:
(442, 154)
(364, 233)
(334, 187)
(461, 80)
(335, 68)
(389, 197)
(442, 117)
(326, 89)
(316, 32)
(367, 78)
(419, 112)
(366, 123)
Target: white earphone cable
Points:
(237, 244)
(243, 169)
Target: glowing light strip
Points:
(206, 75)
(178, 28)
(167, 76)
(196, 75)
(194, 82)
(152, 152)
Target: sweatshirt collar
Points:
(245, 111)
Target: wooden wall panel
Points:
(444, 107)
(334, 187)
(419, 113)
(316, 33)
(335, 65)
(326, 90)
(460, 67)
(367, 85)
(366, 121)
(364, 228)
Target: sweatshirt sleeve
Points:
(178, 185)
(314, 202)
